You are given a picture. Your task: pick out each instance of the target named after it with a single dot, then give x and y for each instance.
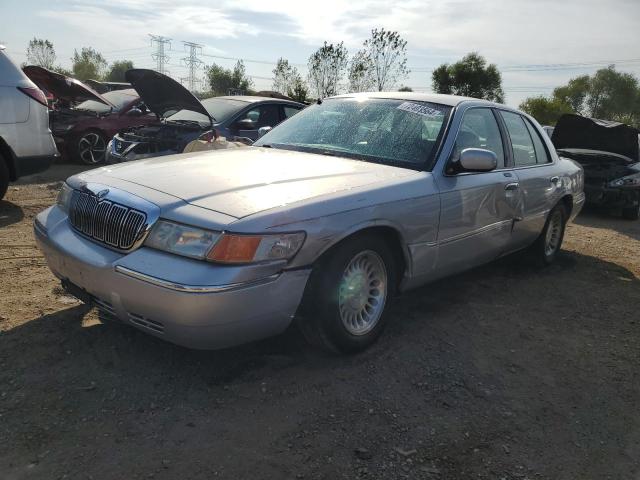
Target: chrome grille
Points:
(105, 221)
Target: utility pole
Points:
(160, 56)
(192, 62)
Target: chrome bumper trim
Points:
(193, 288)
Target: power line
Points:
(160, 56)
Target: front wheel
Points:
(91, 148)
(348, 294)
(548, 244)
(631, 213)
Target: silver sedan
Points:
(320, 222)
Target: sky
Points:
(537, 45)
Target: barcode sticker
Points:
(419, 109)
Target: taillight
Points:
(35, 93)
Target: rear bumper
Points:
(196, 316)
(578, 204)
(30, 165)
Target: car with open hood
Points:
(182, 118)
(609, 152)
(83, 120)
(321, 221)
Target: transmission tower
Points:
(160, 56)
(192, 62)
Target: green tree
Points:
(88, 64)
(386, 52)
(574, 93)
(298, 89)
(360, 74)
(545, 110)
(613, 95)
(224, 81)
(41, 52)
(326, 68)
(471, 77)
(405, 89)
(117, 70)
(283, 76)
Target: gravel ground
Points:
(504, 372)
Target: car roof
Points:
(451, 100)
(254, 99)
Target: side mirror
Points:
(135, 112)
(264, 130)
(245, 124)
(478, 160)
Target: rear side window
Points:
(290, 111)
(524, 153)
(479, 129)
(542, 156)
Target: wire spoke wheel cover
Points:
(362, 292)
(553, 235)
(91, 148)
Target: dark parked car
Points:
(609, 152)
(183, 118)
(82, 120)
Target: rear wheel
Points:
(348, 294)
(91, 148)
(4, 177)
(548, 244)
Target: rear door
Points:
(477, 209)
(536, 176)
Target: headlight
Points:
(628, 181)
(256, 248)
(181, 239)
(227, 248)
(64, 198)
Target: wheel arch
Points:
(392, 236)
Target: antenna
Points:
(160, 56)
(192, 62)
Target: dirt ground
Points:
(505, 372)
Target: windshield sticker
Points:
(419, 109)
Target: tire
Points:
(337, 318)
(4, 177)
(90, 148)
(631, 213)
(548, 244)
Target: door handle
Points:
(555, 180)
(512, 186)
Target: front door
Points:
(477, 209)
(261, 116)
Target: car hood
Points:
(578, 132)
(60, 86)
(162, 94)
(245, 181)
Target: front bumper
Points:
(612, 197)
(209, 316)
(127, 154)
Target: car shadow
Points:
(10, 213)
(601, 218)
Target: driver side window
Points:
(263, 116)
(479, 129)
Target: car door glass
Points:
(479, 129)
(290, 111)
(263, 116)
(524, 153)
(542, 156)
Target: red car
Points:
(82, 120)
